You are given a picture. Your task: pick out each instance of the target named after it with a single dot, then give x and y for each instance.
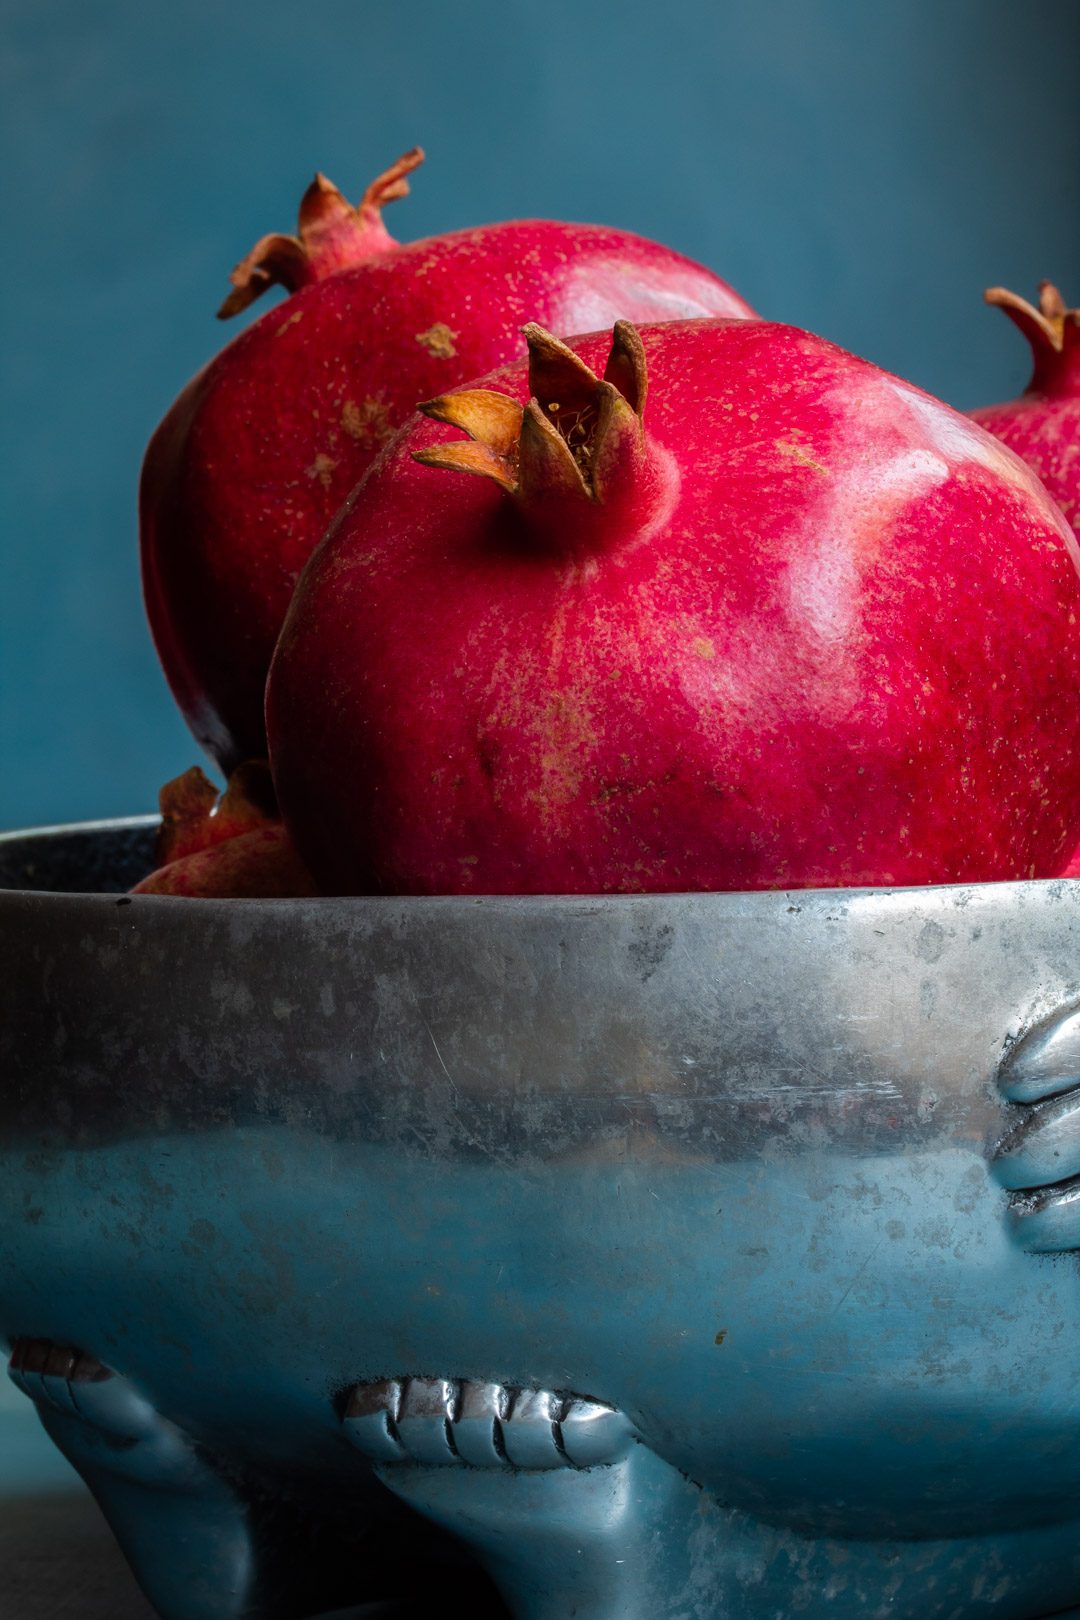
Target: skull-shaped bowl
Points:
(624, 1256)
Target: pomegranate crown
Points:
(579, 438)
(1051, 329)
(332, 234)
(190, 802)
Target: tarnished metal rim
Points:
(16, 845)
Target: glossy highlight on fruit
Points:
(1043, 425)
(260, 450)
(714, 605)
(1071, 869)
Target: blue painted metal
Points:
(770, 1176)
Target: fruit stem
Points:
(332, 235)
(194, 815)
(1052, 329)
(575, 459)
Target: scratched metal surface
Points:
(722, 1161)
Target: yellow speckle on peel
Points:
(369, 422)
(438, 340)
(297, 315)
(321, 468)
(801, 456)
(703, 647)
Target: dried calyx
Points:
(332, 234)
(194, 814)
(1052, 329)
(579, 443)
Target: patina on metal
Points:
(641, 1257)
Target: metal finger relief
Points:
(640, 1258)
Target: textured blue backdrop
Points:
(861, 167)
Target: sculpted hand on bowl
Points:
(1039, 1159)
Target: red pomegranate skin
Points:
(229, 845)
(837, 648)
(258, 864)
(259, 451)
(1043, 424)
(196, 814)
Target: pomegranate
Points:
(194, 815)
(258, 865)
(1043, 425)
(232, 847)
(259, 451)
(809, 627)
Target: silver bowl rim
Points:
(721, 898)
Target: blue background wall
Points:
(861, 167)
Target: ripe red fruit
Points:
(806, 626)
(232, 847)
(194, 815)
(1043, 425)
(257, 865)
(259, 451)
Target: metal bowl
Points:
(636, 1256)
